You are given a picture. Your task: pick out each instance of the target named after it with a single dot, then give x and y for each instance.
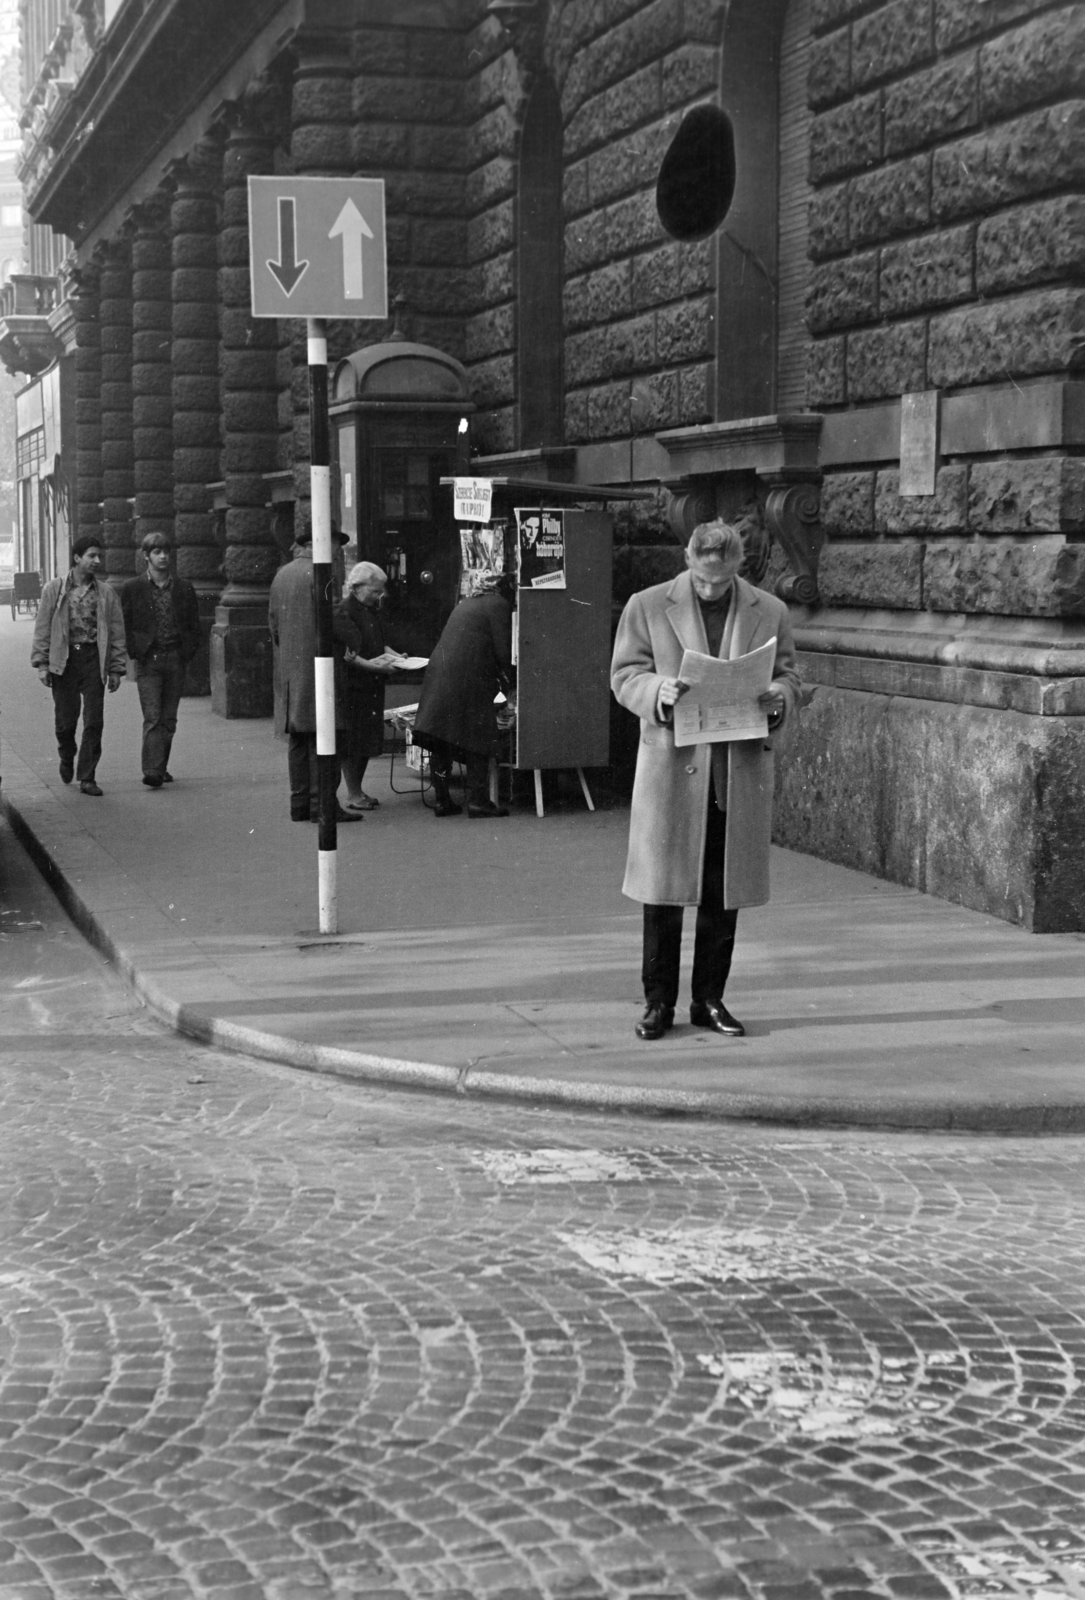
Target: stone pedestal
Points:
(240, 654)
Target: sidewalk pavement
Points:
(499, 958)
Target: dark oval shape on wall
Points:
(696, 181)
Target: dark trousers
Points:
(80, 686)
(476, 773)
(715, 938)
(160, 677)
(304, 775)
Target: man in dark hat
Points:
(162, 627)
(293, 638)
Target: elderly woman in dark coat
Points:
(366, 666)
(455, 720)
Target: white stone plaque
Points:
(918, 442)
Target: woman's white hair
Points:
(365, 572)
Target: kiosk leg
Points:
(584, 786)
(538, 793)
(493, 780)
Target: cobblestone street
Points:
(268, 1337)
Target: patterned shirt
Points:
(166, 634)
(83, 613)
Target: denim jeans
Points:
(160, 677)
(80, 682)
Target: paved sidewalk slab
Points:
(501, 958)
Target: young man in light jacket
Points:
(78, 649)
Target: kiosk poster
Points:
(541, 549)
(481, 550)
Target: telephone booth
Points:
(399, 414)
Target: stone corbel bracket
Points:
(782, 450)
(792, 511)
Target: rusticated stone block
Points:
(605, 352)
(894, 199)
(196, 358)
(931, 271)
(630, 162)
(825, 373)
(872, 574)
(192, 428)
(576, 196)
(846, 139)
(825, 14)
(695, 396)
(377, 146)
(608, 411)
(1044, 494)
(847, 505)
(386, 51)
(117, 454)
(1039, 61)
(196, 321)
(654, 402)
(601, 296)
(1032, 333)
(576, 416)
(682, 333)
(1044, 150)
(652, 280)
(250, 453)
(585, 242)
(380, 99)
(886, 361)
(494, 230)
(1041, 577)
(198, 561)
(1032, 244)
(250, 563)
(944, 511)
(250, 488)
(930, 105)
(632, 224)
(958, 20)
(152, 413)
(194, 467)
(322, 148)
(493, 382)
(828, 221)
(152, 380)
(435, 243)
(247, 524)
(195, 284)
(843, 293)
(322, 98)
(890, 40)
(491, 333)
(692, 70)
(607, 115)
(829, 77)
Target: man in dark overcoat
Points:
(456, 720)
(701, 819)
(162, 631)
(293, 640)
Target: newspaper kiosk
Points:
(562, 633)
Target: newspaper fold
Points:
(721, 701)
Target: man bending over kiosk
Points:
(701, 818)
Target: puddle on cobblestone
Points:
(1012, 1571)
(554, 1165)
(705, 1255)
(795, 1393)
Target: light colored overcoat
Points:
(670, 790)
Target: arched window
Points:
(539, 257)
(762, 247)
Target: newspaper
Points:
(721, 700)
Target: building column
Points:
(240, 642)
(152, 404)
(195, 392)
(115, 260)
(84, 298)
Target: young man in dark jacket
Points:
(162, 630)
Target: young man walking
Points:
(162, 628)
(78, 649)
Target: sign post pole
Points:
(323, 589)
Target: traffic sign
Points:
(317, 247)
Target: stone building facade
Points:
(870, 363)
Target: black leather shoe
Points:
(152, 780)
(88, 786)
(655, 1022)
(715, 1015)
(486, 808)
(167, 777)
(67, 771)
(447, 808)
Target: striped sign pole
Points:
(324, 662)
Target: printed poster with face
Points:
(541, 547)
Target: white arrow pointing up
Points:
(350, 225)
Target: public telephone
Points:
(399, 416)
